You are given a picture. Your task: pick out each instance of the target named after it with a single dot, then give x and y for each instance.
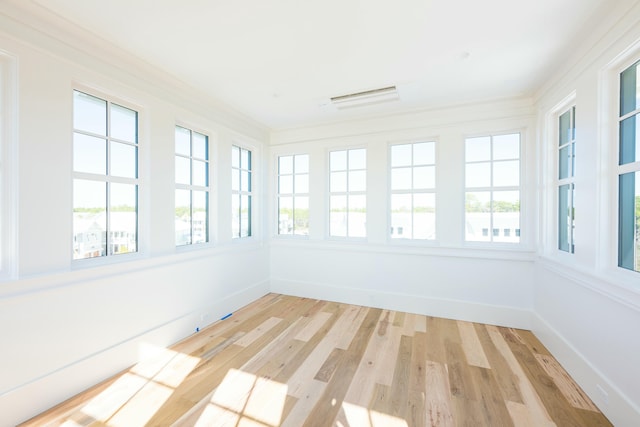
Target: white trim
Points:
(419, 304)
(616, 406)
(8, 166)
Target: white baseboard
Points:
(614, 405)
(32, 398)
(419, 304)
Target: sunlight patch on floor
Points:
(138, 394)
(362, 417)
(243, 399)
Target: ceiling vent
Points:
(368, 97)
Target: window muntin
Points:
(241, 192)
(629, 169)
(293, 195)
(492, 194)
(413, 184)
(192, 187)
(105, 177)
(566, 179)
(347, 193)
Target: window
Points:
(105, 177)
(192, 187)
(566, 176)
(347, 187)
(492, 195)
(293, 195)
(629, 170)
(241, 192)
(413, 198)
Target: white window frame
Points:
(570, 180)
(413, 191)
(250, 193)
(110, 179)
(193, 187)
(346, 193)
(294, 194)
(520, 189)
(8, 167)
(619, 170)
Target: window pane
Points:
(285, 165)
(629, 221)
(123, 223)
(285, 215)
(200, 219)
(89, 154)
(301, 216)
(358, 159)
(338, 216)
(245, 181)
(89, 113)
(235, 180)
(183, 141)
(424, 177)
(564, 162)
(200, 173)
(285, 184)
(629, 140)
(183, 217)
(357, 180)
(123, 160)
(183, 170)
(478, 149)
(124, 123)
(245, 159)
(302, 163)
(477, 216)
(401, 216)
(401, 179)
(629, 89)
(401, 155)
(302, 183)
(478, 175)
(424, 216)
(565, 133)
(506, 147)
(424, 153)
(506, 215)
(89, 218)
(245, 215)
(235, 215)
(200, 149)
(338, 182)
(565, 217)
(338, 160)
(357, 222)
(506, 174)
(235, 157)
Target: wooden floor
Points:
(302, 362)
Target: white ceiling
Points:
(280, 61)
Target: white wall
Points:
(64, 327)
(586, 310)
(446, 277)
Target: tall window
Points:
(293, 194)
(413, 198)
(192, 187)
(347, 187)
(105, 177)
(566, 176)
(241, 192)
(629, 170)
(492, 196)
